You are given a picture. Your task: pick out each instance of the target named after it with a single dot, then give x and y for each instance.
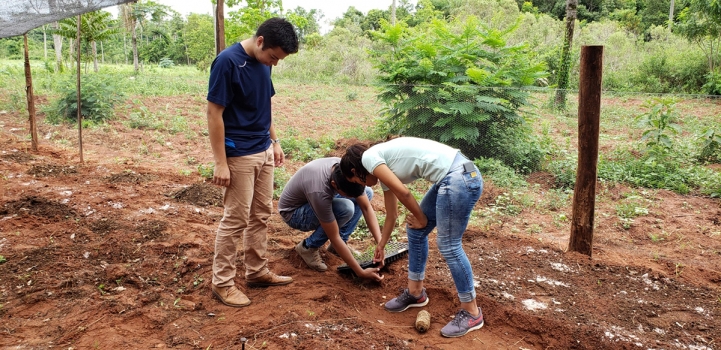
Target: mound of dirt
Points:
(201, 194)
(17, 157)
(45, 170)
(37, 206)
(129, 176)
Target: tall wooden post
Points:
(589, 113)
(219, 27)
(77, 86)
(30, 97)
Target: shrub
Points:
(462, 85)
(97, 99)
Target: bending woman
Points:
(457, 185)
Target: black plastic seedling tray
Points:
(393, 250)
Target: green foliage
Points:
(305, 149)
(143, 119)
(165, 62)
(2, 259)
(713, 84)
(459, 84)
(199, 40)
(500, 174)
(711, 146)
(97, 98)
(206, 171)
(660, 123)
(280, 178)
(629, 208)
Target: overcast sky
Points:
(332, 9)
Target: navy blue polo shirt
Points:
(242, 85)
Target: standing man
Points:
(246, 149)
(319, 198)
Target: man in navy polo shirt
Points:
(246, 149)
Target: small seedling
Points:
(2, 259)
(679, 269)
(101, 288)
(197, 280)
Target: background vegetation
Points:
(475, 74)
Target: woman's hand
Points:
(379, 256)
(416, 223)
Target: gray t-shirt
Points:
(411, 158)
(310, 184)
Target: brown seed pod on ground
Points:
(423, 321)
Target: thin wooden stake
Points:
(30, 97)
(80, 115)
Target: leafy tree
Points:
(243, 22)
(566, 54)
(305, 22)
(134, 15)
(461, 84)
(700, 23)
(198, 38)
(94, 26)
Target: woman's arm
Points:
(388, 178)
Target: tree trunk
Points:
(30, 97)
(571, 13)
(134, 41)
(95, 57)
(71, 50)
(45, 41)
(58, 42)
(219, 27)
(670, 16)
(393, 13)
(125, 49)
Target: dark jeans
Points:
(347, 214)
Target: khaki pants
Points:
(248, 202)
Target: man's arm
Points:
(333, 232)
(278, 155)
(216, 131)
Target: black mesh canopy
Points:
(17, 17)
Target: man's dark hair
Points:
(350, 189)
(352, 159)
(277, 32)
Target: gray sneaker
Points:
(462, 324)
(406, 300)
(311, 256)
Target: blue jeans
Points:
(447, 205)
(347, 214)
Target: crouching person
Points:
(320, 199)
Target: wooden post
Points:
(219, 27)
(589, 112)
(80, 115)
(30, 97)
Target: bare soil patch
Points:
(119, 255)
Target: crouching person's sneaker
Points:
(311, 256)
(462, 324)
(230, 296)
(406, 300)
